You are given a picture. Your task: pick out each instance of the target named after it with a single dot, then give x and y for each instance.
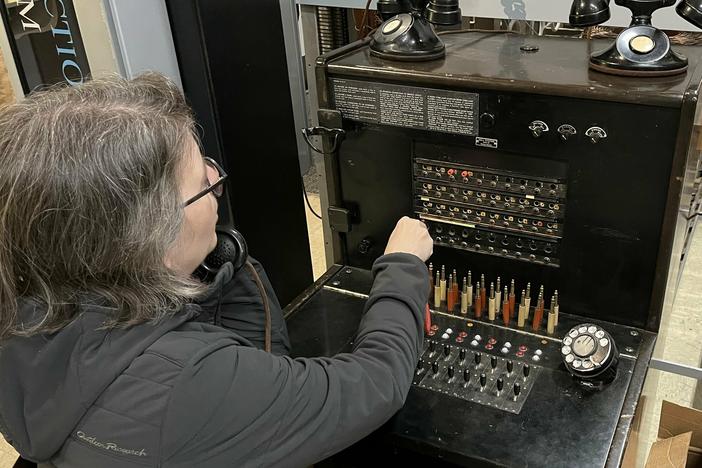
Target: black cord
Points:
(307, 200)
(338, 133)
(365, 20)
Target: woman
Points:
(108, 353)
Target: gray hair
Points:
(90, 202)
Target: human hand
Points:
(411, 236)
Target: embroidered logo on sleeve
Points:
(110, 446)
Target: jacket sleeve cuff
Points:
(400, 276)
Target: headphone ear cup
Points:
(231, 247)
(235, 244)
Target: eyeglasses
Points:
(215, 180)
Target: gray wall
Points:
(142, 35)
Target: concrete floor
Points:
(7, 455)
(316, 235)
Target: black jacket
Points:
(187, 393)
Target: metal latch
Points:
(339, 219)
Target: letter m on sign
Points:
(27, 22)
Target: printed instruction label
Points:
(407, 106)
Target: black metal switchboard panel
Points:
(559, 201)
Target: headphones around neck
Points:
(231, 247)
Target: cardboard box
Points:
(679, 442)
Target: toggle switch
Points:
(435, 367)
(483, 380)
(432, 346)
(466, 375)
(478, 357)
(526, 370)
(420, 364)
(595, 134)
(538, 127)
(510, 367)
(450, 372)
(447, 350)
(517, 389)
(500, 384)
(462, 354)
(493, 362)
(566, 131)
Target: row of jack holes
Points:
(492, 238)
